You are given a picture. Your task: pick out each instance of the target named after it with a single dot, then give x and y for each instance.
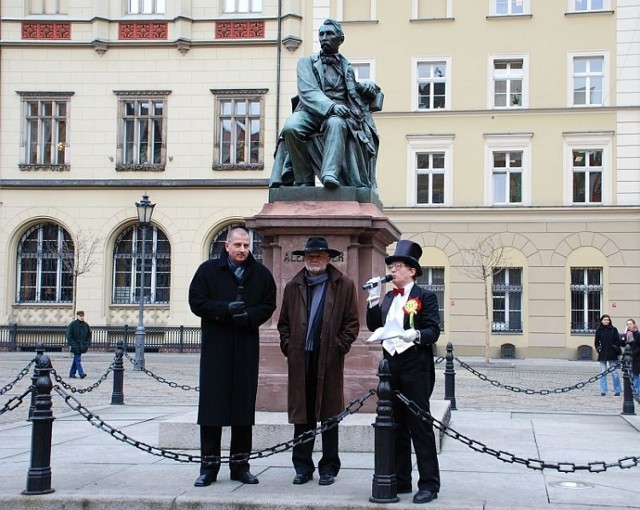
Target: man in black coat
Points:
(410, 356)
(233, 296)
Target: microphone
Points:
(377, 281)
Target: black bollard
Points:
(117, 396)
(39, 476)
(450, 377)
(627, 403)
(34, 378)
(384, 488)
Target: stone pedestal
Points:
(362, 233)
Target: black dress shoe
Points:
(424, 496)
(326, 479)
(245, 477)
(83, 376)
(301, 478)
(205, 480)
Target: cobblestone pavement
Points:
(470, 391)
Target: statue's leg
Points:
(296, 132)
(335, 138)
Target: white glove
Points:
(375, 293)
(409, 335)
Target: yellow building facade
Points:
(509, 127)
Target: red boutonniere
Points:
(412, 307)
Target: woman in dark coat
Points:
(607, 344)
(231, 308)
(632, 338)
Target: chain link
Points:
(162, 380)
(510, 458)
(73, 389)
(22, 373)
(14, 402)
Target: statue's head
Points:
(330, 35)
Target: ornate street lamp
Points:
(145, 210)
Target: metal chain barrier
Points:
(162, 380)
(73, 389)
(97, 422)
(14, 402)
(22, 373)
(439, 359)
(510, 458)
(528, 391)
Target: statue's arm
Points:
(310, 92)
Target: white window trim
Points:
(416, 3)
(589, 141)
(340, 10)
(371, 63)
(605, 79)
(414, 82)
(429, 143)
(526, 9)
(507, 142)
(491, 83)
(606, 6)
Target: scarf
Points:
(238, 270)
(316, 286)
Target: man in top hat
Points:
(318, 323)
(412, 367)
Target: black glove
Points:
(235, 307)
(241, 319)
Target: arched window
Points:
(45, 265)
(216, 250)
(127, 261)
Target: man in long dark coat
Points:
(318, 323)
(233, 296)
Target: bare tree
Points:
(80, 257)
(485, 259)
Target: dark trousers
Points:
(241, 441)
(410, 375)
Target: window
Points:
(430, 177)
(431, 85)
(242, 6)
(45, 265)
(433, 279)
(46, 6)
(362, 70)
(588, 81)
(586, 299)
(216, 250)
(429, 170)
(588, 5)
(507, 300)
(46, 130)
(508, 80)
(510, 7)
(507, 177)
(145, 6)
(142, 131)
(127, 262)
(239, 138)
(507, 169)
(587, 176)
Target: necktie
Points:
(397, 292)
(331, 59)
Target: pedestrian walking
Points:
(632, 338)
(79, 340)
(607, 344)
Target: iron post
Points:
(450, 377)
(117, 396)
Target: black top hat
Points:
(317, 244)
(409, 253)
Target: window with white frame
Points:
(508, 83)
(508, 169)
(142, 131)
(510, 7)
(507, 177)
(216, 249)
(362, 70)
(241, 6)
(431, 88)
(146, 6)
(429, 170)
(45, 265)
(586, 299)
(47, 6)
(588, 168)
(433, 279)
(127, 266)
(239, 143)
(45, 137)
(588, 80)
(588, 5)
(506, 290)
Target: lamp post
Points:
(145, 210)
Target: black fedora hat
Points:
(317, 244)
(407, 252)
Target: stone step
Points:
(272, 428)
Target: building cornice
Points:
(132, 183)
